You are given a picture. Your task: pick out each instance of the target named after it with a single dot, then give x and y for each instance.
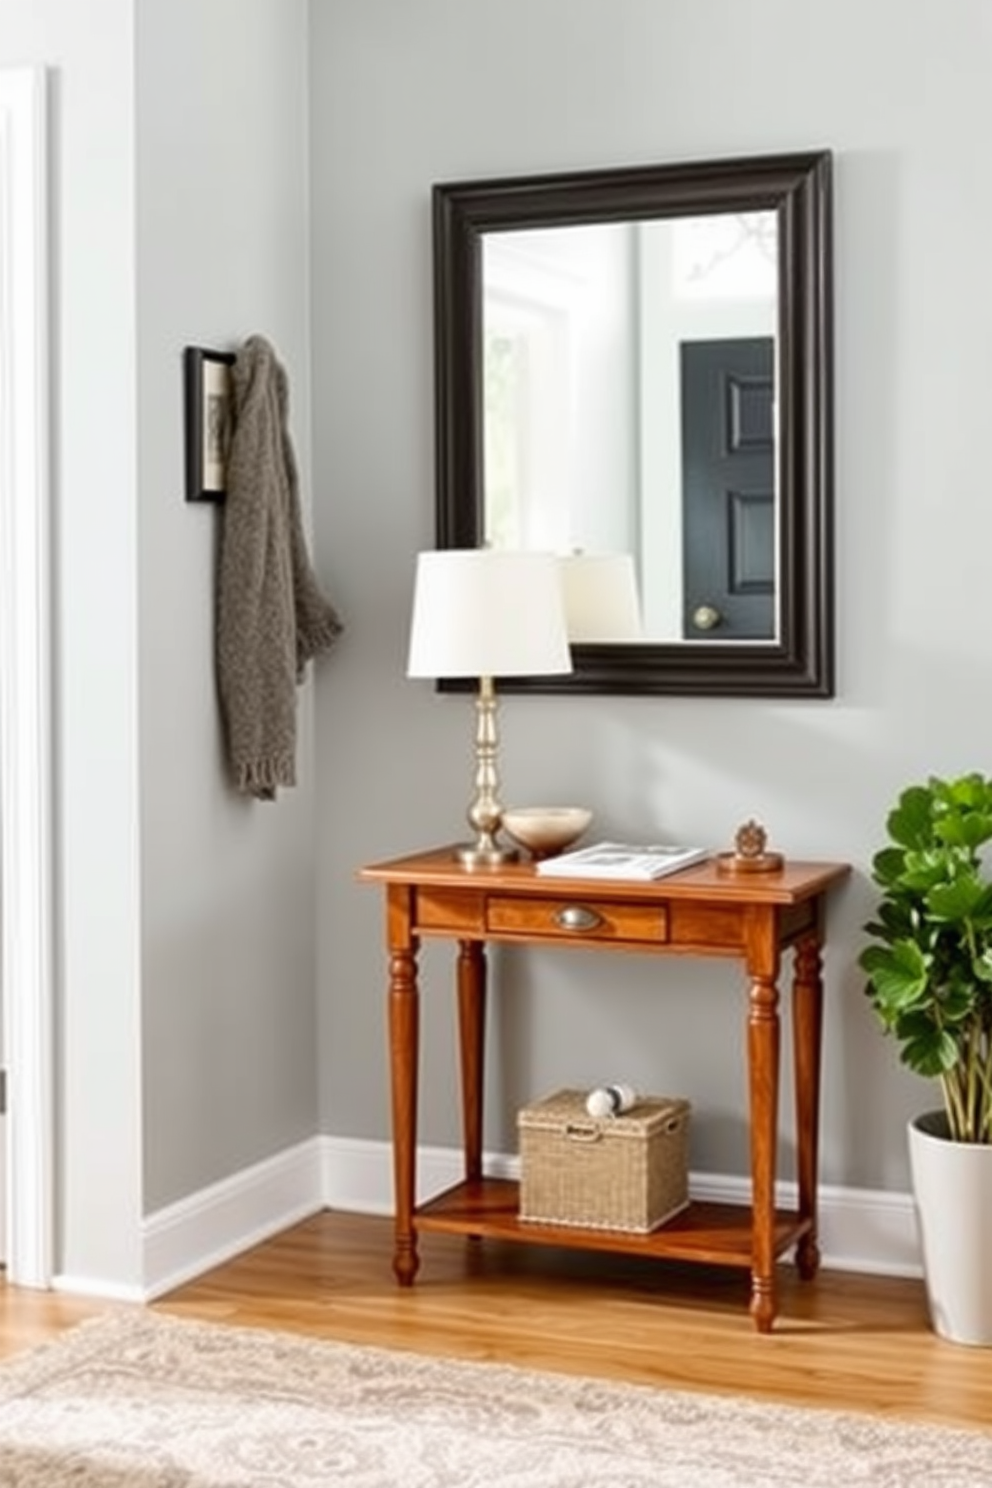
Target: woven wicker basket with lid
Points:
(627, 1172)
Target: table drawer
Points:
(576, 919)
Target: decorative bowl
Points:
(546, 830)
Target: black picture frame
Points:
(207, 416)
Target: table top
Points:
(794, 882)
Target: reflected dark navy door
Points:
(728, 488)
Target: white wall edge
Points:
(862, 1230)
(25, 676)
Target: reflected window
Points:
(559, 366)
(527, 442)
(725, 256)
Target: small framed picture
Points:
(207, 403)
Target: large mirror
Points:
(633, 369)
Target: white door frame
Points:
(26, 790)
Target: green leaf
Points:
(887, 865)
(959, 999)
(932, 865)
(918, 1023)
(971, 791)
(911, 823)
(898, 976)
(932, 1055)
(957, 900)
(893, 923)
(968, 831)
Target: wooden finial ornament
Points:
(750, 854)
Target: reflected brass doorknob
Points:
(706, 617)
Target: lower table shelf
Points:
(715, 1234)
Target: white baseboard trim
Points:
(357, 1174)
(85, 1286)
(860, 1229)
(201, 1231)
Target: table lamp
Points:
(487, 613)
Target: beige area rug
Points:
(142, 1400)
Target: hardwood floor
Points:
(844, 1341)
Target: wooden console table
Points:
(700, 911)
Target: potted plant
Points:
(929, 970)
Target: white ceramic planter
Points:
(952, 1186)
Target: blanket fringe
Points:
(263, 777)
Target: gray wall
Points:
(228, 903)
(405, 95)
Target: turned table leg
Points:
(763, 1037)
(471, 1044)
(807, 1023)
(403, 1058)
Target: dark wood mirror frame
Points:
(797, 187)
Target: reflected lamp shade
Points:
(486, 612)
(601, 600)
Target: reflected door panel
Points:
(728, 489)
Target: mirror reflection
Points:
(628, 409)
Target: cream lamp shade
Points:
(486, 612)
(601, 601)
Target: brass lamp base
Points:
(485, 812)
(482, 855)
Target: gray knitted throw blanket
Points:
(271, 615)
